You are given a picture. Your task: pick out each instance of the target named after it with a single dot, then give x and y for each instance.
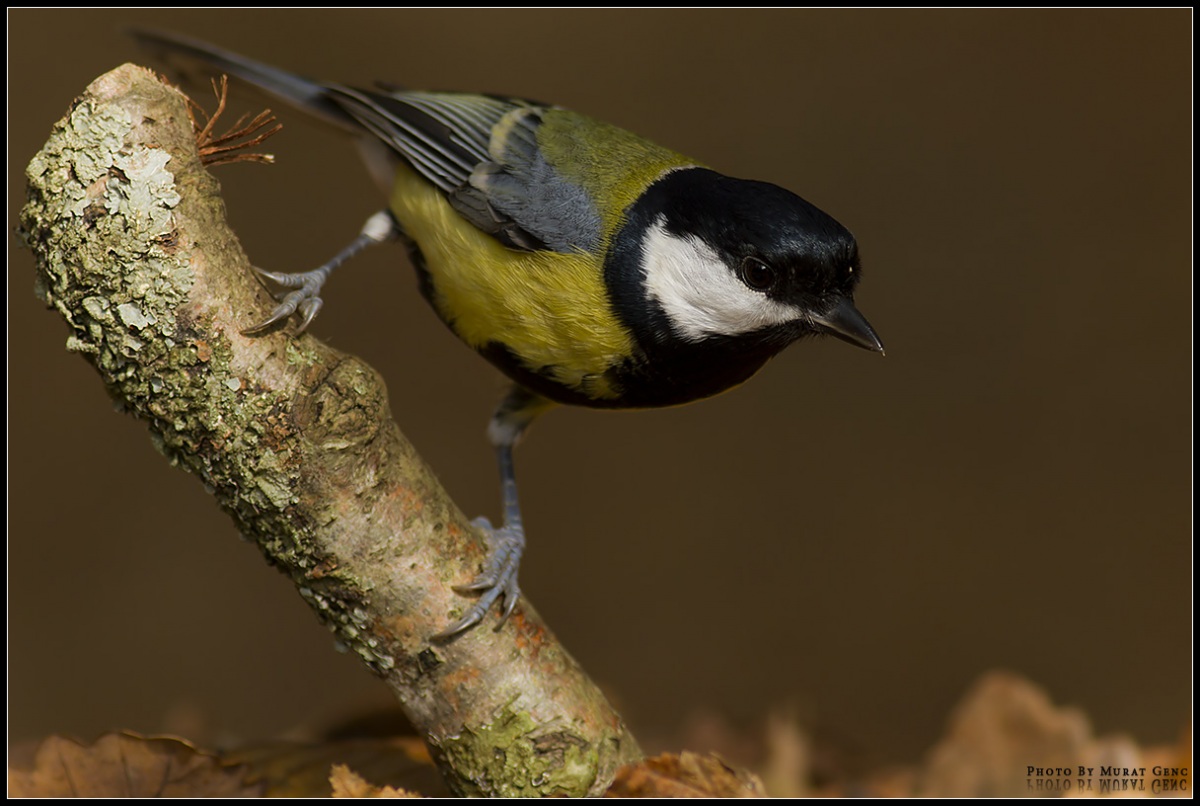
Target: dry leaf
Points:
(786, 770)
(348, 784)
(301, 770)
(128, 765)
(686, 775)
(1005, 725)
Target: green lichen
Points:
(95, 201)
(514, 756)
(103, 210)
(352, 625)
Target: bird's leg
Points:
(306, 298)
(507, 543)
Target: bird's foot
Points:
(306, 296)
(305, 299)
(498, 580)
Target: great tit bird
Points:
(592, 267)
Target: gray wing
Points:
(482, 153)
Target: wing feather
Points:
(482, 152)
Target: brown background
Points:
(860, 537)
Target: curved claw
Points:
(277, 316)
(482, 582)
(283, 278)
(510, 604)
(309, 308)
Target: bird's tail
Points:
(298, 91)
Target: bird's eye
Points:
(757, 274)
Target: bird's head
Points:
(723, 258)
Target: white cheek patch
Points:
(699, 293)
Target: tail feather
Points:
(298, 91)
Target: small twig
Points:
(224, 149)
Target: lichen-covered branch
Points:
(295, 441)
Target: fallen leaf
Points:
(786, 770)
(301, 770)
(1004, 726)
(686, 775)
(346, 783)
(128, 765)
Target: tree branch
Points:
(296, 443)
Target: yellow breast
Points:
(549, 309)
